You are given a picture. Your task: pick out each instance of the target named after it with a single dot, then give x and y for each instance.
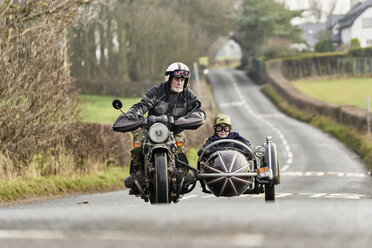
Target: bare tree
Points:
(317, 10)
(148, 38)
(37, 94)
(315, 7)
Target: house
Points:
(310, 33)
(332, 24)
(357, 23)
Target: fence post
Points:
(368, 116)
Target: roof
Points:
(332, 20)
(354, 13)
(310, 32)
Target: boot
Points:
(134, 169)
(204, 188)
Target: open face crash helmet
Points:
(178, 69)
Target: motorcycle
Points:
(165, 177)
(231, 168)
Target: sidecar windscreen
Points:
(123, 124)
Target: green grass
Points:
(193, 157)
(348, 135)
(349, 91)
(98, 109)
(24, 188)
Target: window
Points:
(367, 22)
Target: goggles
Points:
(181, 73)
(221, 128)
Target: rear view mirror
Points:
(117, 104)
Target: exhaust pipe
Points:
(141, 190)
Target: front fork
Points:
(149, 165)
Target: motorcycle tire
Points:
(269, 192)
(161, 178)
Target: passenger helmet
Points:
(178, 69)
(222, 119)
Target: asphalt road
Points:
(324, 200)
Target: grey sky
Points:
(342, 6)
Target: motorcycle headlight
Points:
(158, 133)
(260, 151)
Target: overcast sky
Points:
(342, 6)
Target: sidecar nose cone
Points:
(227, 161)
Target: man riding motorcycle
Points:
(172, 98)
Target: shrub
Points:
(360, 52)
(37, 95)
(355, 43)
(324, 46)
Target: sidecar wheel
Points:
(161, 178)
(269, 192)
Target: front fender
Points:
(271, 160)
(158, 148)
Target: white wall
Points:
(346, 36)
(357, 30)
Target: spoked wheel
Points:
(269, 192)
(161, 187)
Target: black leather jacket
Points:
(161, 100)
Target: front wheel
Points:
(161, 178)
(269, 192)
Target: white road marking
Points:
(285, 167)
(314, 195)
(232, 104)
(282, 195)
(188, 197)
(321, 173)
(290, 155)
(60, 235)
(248, 240)
(345, 196)
(271, 115)
(260, 117)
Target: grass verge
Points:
(43, 187)
(352, 138)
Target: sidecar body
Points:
(235, 170)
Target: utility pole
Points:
(368, 116)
